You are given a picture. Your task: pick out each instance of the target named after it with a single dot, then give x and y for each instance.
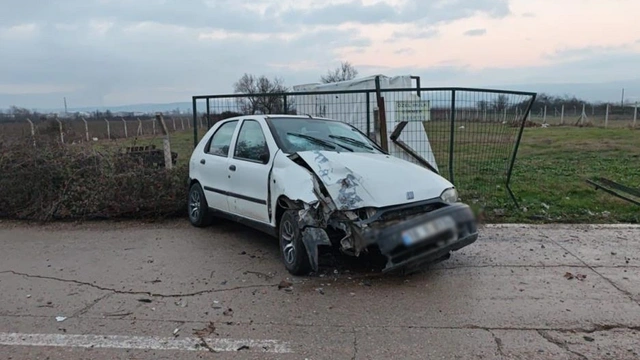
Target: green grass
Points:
(552, 167)
(548, 178)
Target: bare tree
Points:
(263, 95)
(501, 102)
(344, 72)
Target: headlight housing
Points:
(449, 196)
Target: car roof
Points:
(271, 116)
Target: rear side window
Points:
(221, 139)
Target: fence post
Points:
(208, 114)
(635, 115)
(284, 103)
(139, 132)
(182, 122)
(451, 137)
(154, 126)
(33, 131)
(61, 131)
(504, 116)
(584, 106)
(368, 96)
(606, 117)
(126, 134)
(86, 128)
(108, 129)
(165, 141)
(562, 116)
(173, 120)
(544, 117)
(194, 109)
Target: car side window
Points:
(221, 140)
(251, 144)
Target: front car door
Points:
(214, 164)
(249, 169)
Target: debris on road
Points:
(570, 276)
(243, 347)
(320, 291)
(206, 331)
(145, 300)
(61, 318)
(286, 285)
(181, 303)
(589, 338)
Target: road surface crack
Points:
(499, 343)
(561, 344)
(148, 293)
(355, 344)
(89, 306)
(627, 293)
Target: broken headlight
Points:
(449, 196)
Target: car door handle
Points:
(202, 161)
(232, 168)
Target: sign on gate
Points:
(413, 110)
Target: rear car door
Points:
(214, 164)
(249, 170)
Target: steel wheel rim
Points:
(288, 235)
(194, 205)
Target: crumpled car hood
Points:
(357, 180)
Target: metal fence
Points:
(79, 130)
(470, 135)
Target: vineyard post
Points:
(33, 131)
(86, 128)
(126, 135)
(108, 129)
(165, 141)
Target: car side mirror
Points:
(264, 157)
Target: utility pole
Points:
(622, 102)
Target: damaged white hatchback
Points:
(315, 182)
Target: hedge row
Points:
(51, 182)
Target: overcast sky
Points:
(116, 52)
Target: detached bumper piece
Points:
(426, 238)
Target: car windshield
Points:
(302, 134)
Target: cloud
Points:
(129, 64)
(413, 34)
(475, 32)
(111, 52)
(431, 12)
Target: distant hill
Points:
(591, 92)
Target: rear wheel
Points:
(294, 253)
(199, 214)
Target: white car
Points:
(314, 181)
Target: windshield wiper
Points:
(316, 140)
(351, 141)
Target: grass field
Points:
(548, 178)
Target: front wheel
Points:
(199, 214)
(294, 253)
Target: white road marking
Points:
(562, 226)
(143, 342)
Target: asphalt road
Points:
(170, 291)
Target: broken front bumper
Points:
(425, 238)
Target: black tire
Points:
(292, 249)
(199, 214)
